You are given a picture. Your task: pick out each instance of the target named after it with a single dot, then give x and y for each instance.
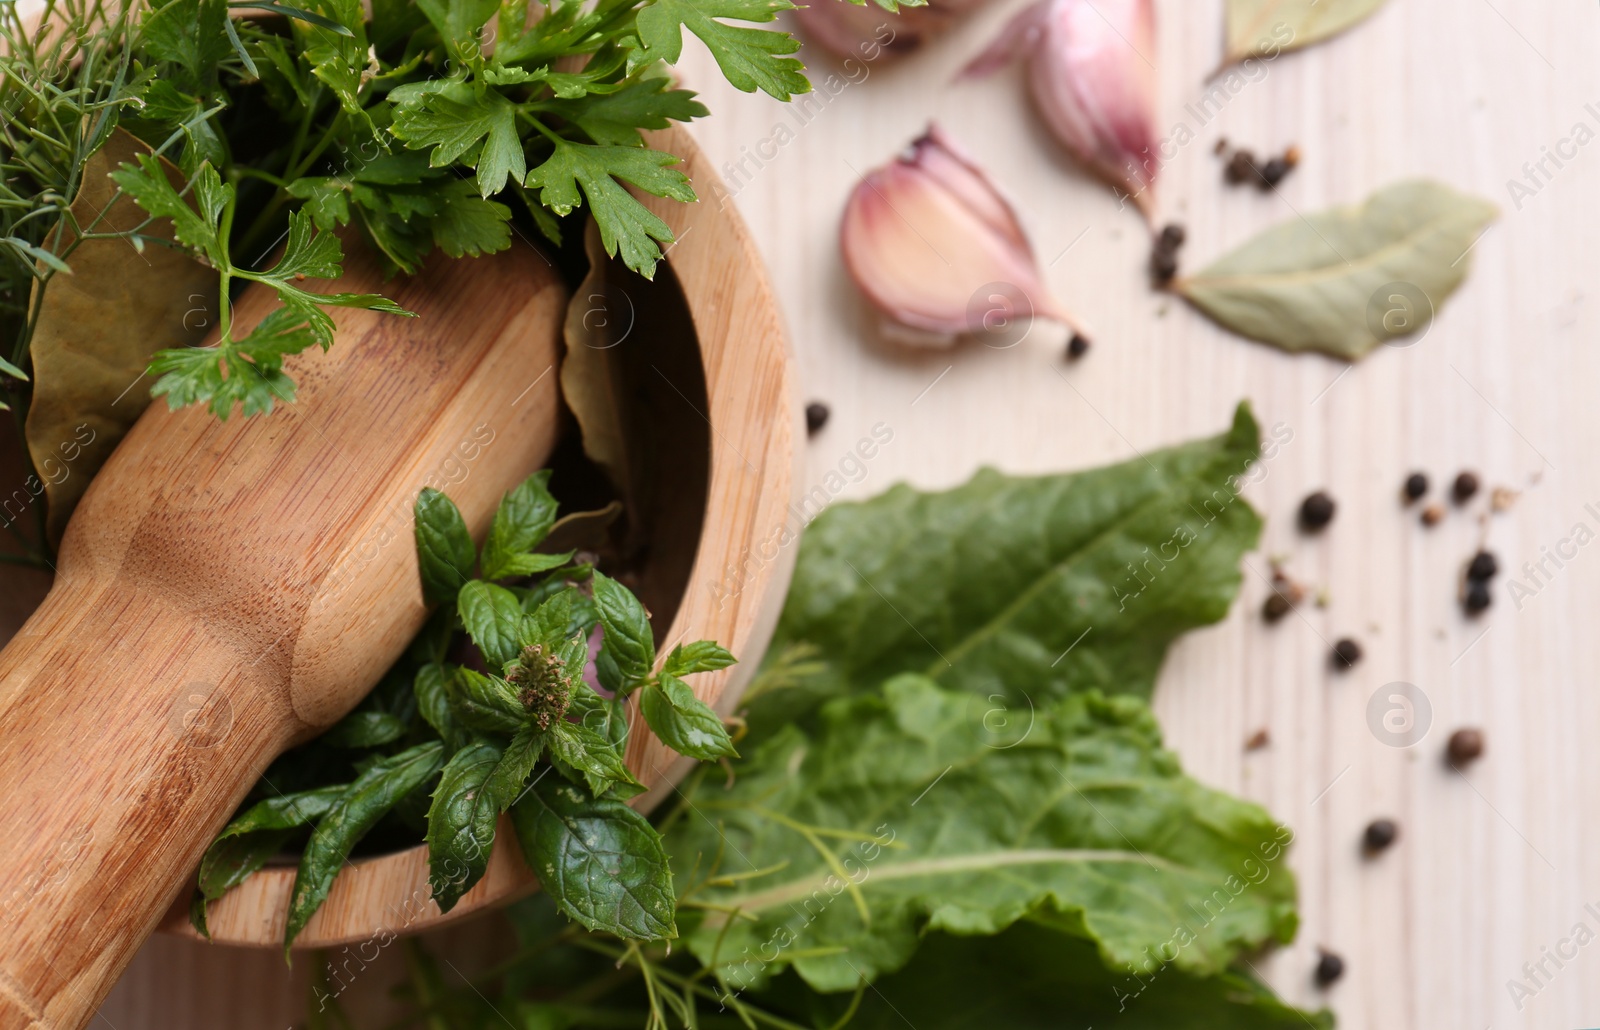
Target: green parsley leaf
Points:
(617, 118)
(749, 58)
(478, 129)
(625, 224)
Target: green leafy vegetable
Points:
(1036, 979)
(900, 816)
(1047, 585)
(1345, 280)
(521, 523)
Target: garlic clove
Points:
(867, 31)
(1092, 78)
(936, 248)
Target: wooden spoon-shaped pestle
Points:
(229, 589)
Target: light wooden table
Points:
(1493, 868)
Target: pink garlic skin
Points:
(1092, 75)
(925, 234)
(867, 31)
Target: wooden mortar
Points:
(228, 590)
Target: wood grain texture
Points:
(1492, 871)
(226, 590)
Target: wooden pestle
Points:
(229, 589)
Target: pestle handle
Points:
(228, 589)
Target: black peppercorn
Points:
(1465, 486)
(1478, 597)
(1163, 266)
(1241, 167)
(1275, 607)
(1172, 236)
(1077, 347)
(1416, 486)
(1346, 653)
(1465, 745)
(1273, 172)
(1316, 511)
(1330, 967)
(1380, 834)
(816, 417)
(1483, 567)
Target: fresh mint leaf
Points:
(445, 554)
(601, 862)
(684, 722)
(253, 837)
(348, 819)
(628, 640)
(750, 58)
(520, 524)
(625, 224)
(585, 753)
(430, 686)
(461, 823)
(486, 703)
(493, 619)
(699, 656)
(901, 815)
(365, 729)
(1052, 583)
(505, 784)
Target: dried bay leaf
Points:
(1267, 28)
(98, 328)
(1346, 279)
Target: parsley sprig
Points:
(247, 371)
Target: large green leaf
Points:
(347, 820)
(461, 823)
(1035, 979)
(253, 837)
(1024, 587)
(1344, 280)
(601, 861)
(901, 816)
